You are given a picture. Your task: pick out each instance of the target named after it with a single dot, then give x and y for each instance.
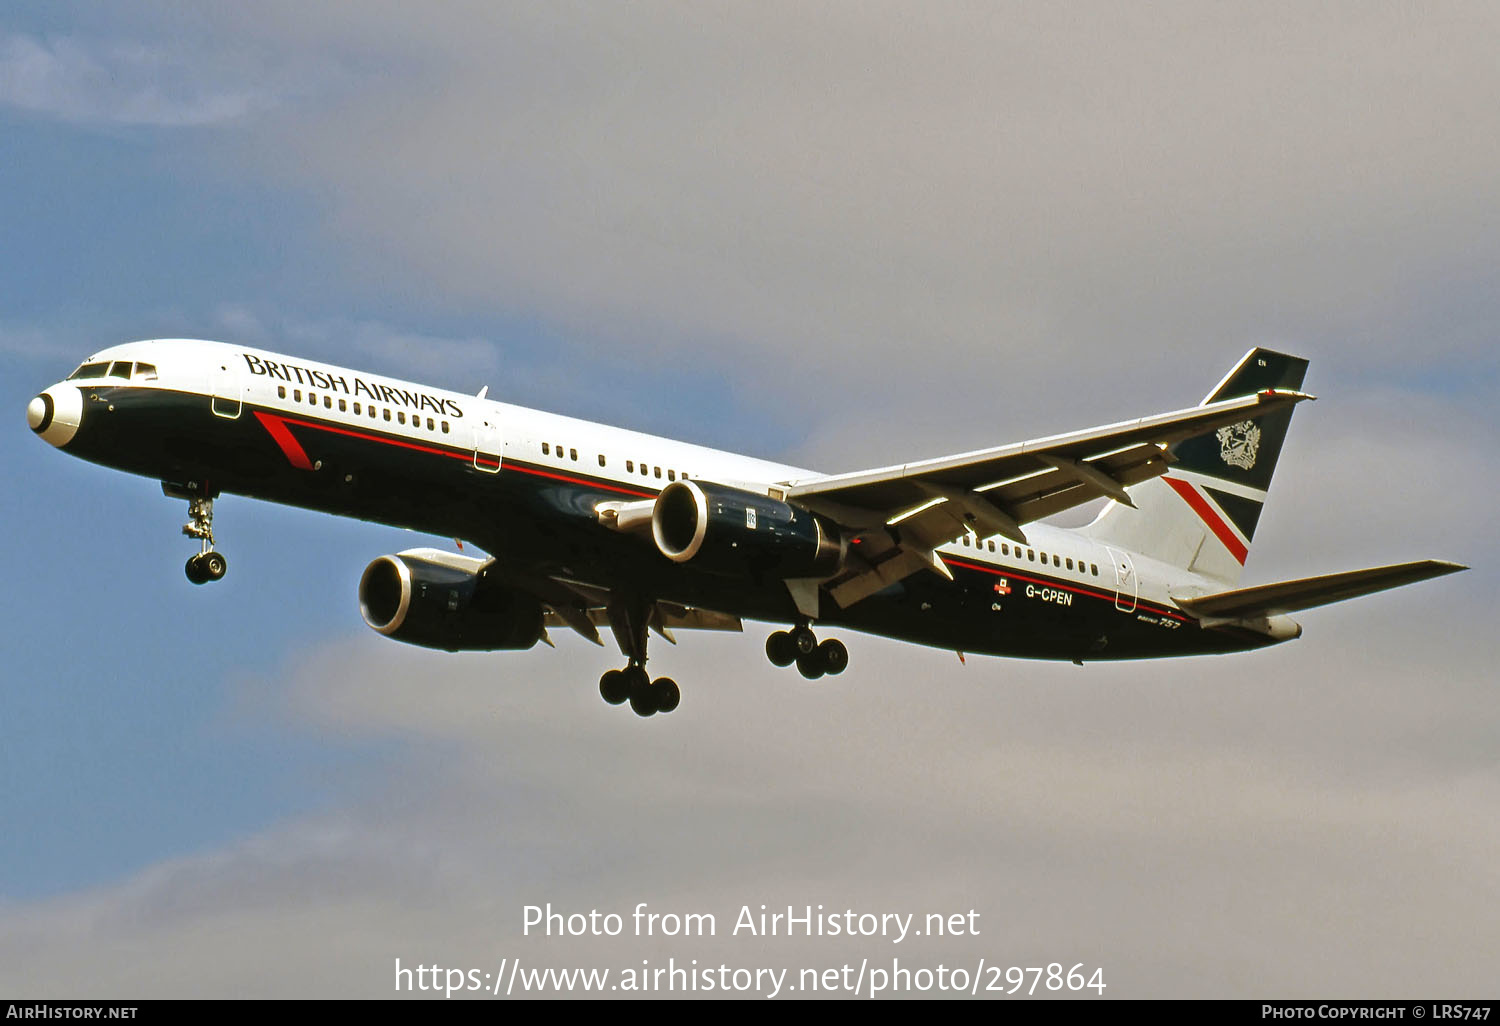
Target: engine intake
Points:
(440, 600)
(729, 530)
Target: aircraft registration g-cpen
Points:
(596, 526)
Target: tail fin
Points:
(1201, 516)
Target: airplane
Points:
(592, 526)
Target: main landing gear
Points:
(207, 565)
(799, 645)
(634, 684)
(629, 620)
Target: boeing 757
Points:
(592, 526)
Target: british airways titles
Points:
(310, 377)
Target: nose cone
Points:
(39, 413)
(56, 414)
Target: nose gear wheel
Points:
(209, 564)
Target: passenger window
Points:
(992, 545)
(1070, 562)
(400, 416)
(328, 402)
(343, 406)
(1031, 555)
(372, 412)
(546, 449)
(281, 391)
(297, 395)
(312, 399)
(1044, 559)
(121, 369)
(1057, 560)
(573, 455)
(430, 424)
(601, 459)
(145, 371)
(645, 470)
(386, 412)
(356, 408)
(630, 466)
(1004, 548)
(445, 427)
(1094, 568)
(671, 475)
(964, 541)
(658, 471)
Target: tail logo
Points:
(1239, 444)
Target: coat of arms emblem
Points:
(1238, 444)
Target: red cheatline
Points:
(1059, 585)
(279, 430)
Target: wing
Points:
(1290, 596)
(586, 607)
(902, 514)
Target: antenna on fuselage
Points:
(483, 392)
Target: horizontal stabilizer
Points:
(1290, 596)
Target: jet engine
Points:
(728, 530)
(442, 600)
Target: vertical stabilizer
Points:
(1201, 516)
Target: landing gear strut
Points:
(207, 565)
(629, 621)
(799, 645)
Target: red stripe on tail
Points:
(1215, 523)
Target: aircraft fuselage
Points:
(526, 486)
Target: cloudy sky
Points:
(834, 234)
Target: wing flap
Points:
(1309, 592)
(667, 616)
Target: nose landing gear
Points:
(207, 565)
(799, 645)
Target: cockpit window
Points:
(121, 369)
(90, 370)
(146, 371)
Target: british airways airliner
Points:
(594, 526)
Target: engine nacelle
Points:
(440, 600)
(728, 530)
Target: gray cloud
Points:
(120, 83)
(396, 350)
(1282, 822)
(961, 201)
